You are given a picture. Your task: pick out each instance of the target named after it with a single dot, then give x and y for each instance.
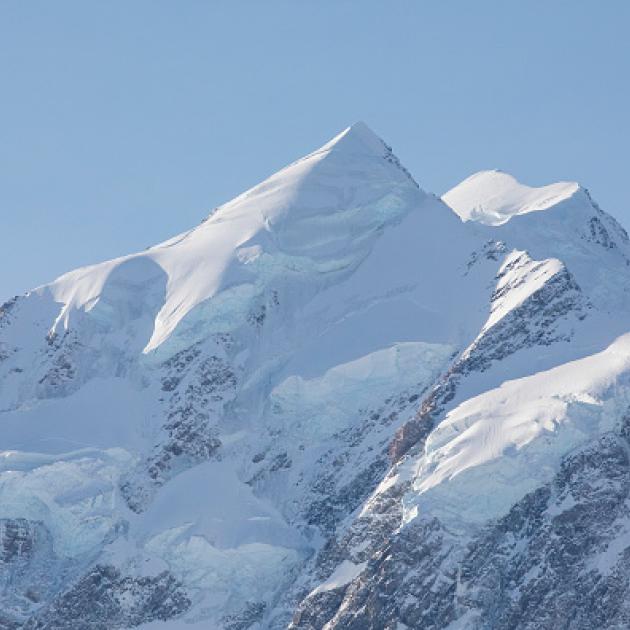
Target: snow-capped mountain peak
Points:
(358, 138)
(493, 197)
(332, 404)
(320, 212)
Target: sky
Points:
(124, 123)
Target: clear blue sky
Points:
(123, 123)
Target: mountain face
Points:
(339, 402)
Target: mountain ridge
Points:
(331, 385)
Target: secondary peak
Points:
(493, 197)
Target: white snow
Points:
(342, 575)
(209, 500)
(319, 215)
(493, 197)
(523, 276)
(609, 558)
(318, 407)
(228, 577)
(493, 449)
(74, 495)
(104, 413)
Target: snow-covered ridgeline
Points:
(493, 449)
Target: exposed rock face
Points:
(547, 314)
(198, 386)
(105, 599)
(29, 569)
(557, 559)
(333, 405)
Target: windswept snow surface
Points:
(493, 449)
(317, 217)
(493, 197)
(223, 405)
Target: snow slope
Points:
(319, 215)
(510, 440)
(494, 197)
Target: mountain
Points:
(339, 402)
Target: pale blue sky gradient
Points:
(124, 123)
